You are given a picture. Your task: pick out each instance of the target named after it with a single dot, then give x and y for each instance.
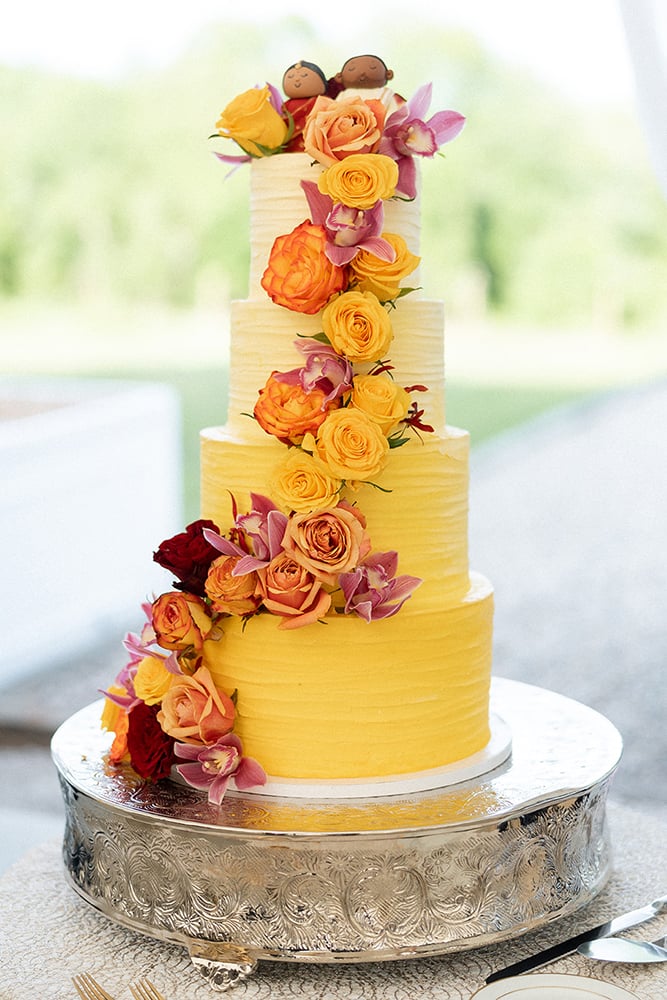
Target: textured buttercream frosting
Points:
(343, 698)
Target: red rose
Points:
(151, 750)
(188, 556)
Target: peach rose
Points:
(180, 621)
(299, 275)
(290, 591)
(358, 326)
(360, 181)
(382, 277)
(328, 543)
(351, 445)
(289, 411)
(253, 122)
(337, 129)
(194, 710)
(302, 483)
(232, 595)
(382, 399)
(152, 680)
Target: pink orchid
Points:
(264, 525)
(324, 370)
(406, 135)
(348, 230)
(373, 590)
(212, 767)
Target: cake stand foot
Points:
(223, 965)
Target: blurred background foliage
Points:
(543, 211)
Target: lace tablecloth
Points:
(47, 934)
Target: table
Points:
(48, 934)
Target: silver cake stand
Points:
(347, 880)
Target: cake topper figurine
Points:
(303, 83)
(367, 77)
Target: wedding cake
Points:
(322, 623)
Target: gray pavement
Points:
(568, 519)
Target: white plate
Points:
(552, 987)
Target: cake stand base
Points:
(389, 877)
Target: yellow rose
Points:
(382, 399)
(358, 326)
(351, 445)
(383, 278)
(302, 483)
(360, 180)
(253, 122)
(152, 680)
(110, 710)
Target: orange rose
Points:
(299, 275)
(328, 543)
(233, 595)
(382, 277)
(289, 411)
(180, 621)
(292, 592)
(194, 710)
(336, 129)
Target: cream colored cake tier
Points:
(351, 700)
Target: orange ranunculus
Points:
(180, 621)
(252, 122)
(360, 181)
(351, 445)
(328, 543)
(194, 710)
(379, 396)
(299, 275)
(382, 277)
(340, 128)
(291, 591)
(358, 326)
(232, 595)
(289, 411)
(119, 751)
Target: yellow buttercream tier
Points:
(263, 337)
(278, 205)
(424, 518)
(348, 699)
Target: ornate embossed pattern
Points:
(286, 897)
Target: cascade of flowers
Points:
(304, 552)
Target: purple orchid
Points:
(348, 230)
(264, 524)
(373, 590)
(211, 768)
(407, 134)
(324, 370)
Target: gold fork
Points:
(144, 990)
(89, 989)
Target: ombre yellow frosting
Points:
(347, 699)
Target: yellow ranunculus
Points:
(358, 326)
(152, 680)
(360, 180)
(253, 122)
(383, 278)
(382, 399)
(351, 445)
(302, 483)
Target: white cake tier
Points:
(424, 518)
(278, 205)
(263, 337)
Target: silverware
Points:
(89, 989)
(144, 990)
(614, 949)
(556, 951)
